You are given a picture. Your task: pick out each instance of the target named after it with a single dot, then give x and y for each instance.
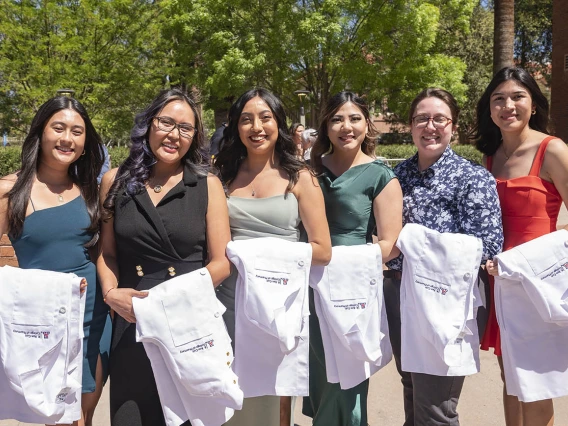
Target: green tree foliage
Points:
(474, 46)
(107, 51)
(381, 48)
(533, 36)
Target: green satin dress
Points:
(349, 209)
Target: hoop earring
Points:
(83, 154)
(533, 112)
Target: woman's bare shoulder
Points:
(7, 183)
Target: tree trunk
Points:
(504, 34)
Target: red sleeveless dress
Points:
(530, 207)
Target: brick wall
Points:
(559, 101)
(7, 256)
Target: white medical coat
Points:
(438, 301)
(41, 345)
(271, 316)
(348, 296)
(531, 294)
(181, 326)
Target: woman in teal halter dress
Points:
(270, 192)
(360, 194)
(49, 209)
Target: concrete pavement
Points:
(480, 401)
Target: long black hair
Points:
(83, 172)
(486, 134)
(323, 144)
(133, 174)
(234, 151)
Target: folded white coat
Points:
(530, 303)
(181, 326)
(348, 296)
(41, 346)
(439, 298)
(271, 315)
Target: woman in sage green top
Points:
(360, 193)
(270, 192)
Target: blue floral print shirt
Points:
(453, 195)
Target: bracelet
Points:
(107, 292)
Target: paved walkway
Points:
(480, 402)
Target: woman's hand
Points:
(492, 267)
(83, 286)
(120, 301)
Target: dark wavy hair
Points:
(83, 172)
(133, 174)
(486, 134)
(234, 151)
(323, 144)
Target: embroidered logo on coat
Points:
(556, 271)
(200, 347)
(351, 306)
(273, 279)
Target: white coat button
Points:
(202, 272)
(373, 281)
(62, 310)
(467, 276)
(217, 314)
(566, 243)
(300, 263)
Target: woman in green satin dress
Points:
(360, 193)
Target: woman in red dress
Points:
(531, 169)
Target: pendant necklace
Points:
(59, 195)
(253, 193)
(157, 188)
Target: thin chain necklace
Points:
(58, 194)
(158, 188)
(505, 152)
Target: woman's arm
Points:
(312, 213)
(6, 184)
(480, 215)
(119, 299)
(218, 231)
(387, 208)
(555, 166)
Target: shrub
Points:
(118, 154)
(9, 159)
(406, 151)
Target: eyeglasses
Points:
(438, 121)
(167, 125)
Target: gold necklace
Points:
(158, 188)
(505, 152)
(59, 194)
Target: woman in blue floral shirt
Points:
(445, 193)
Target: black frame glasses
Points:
(166, 124)
(425, 119)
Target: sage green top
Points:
(349, 201)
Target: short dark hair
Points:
(83, 171)
(234, 151)
(443, 95)
(486, 134)
(135, 171)
(323, 143)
